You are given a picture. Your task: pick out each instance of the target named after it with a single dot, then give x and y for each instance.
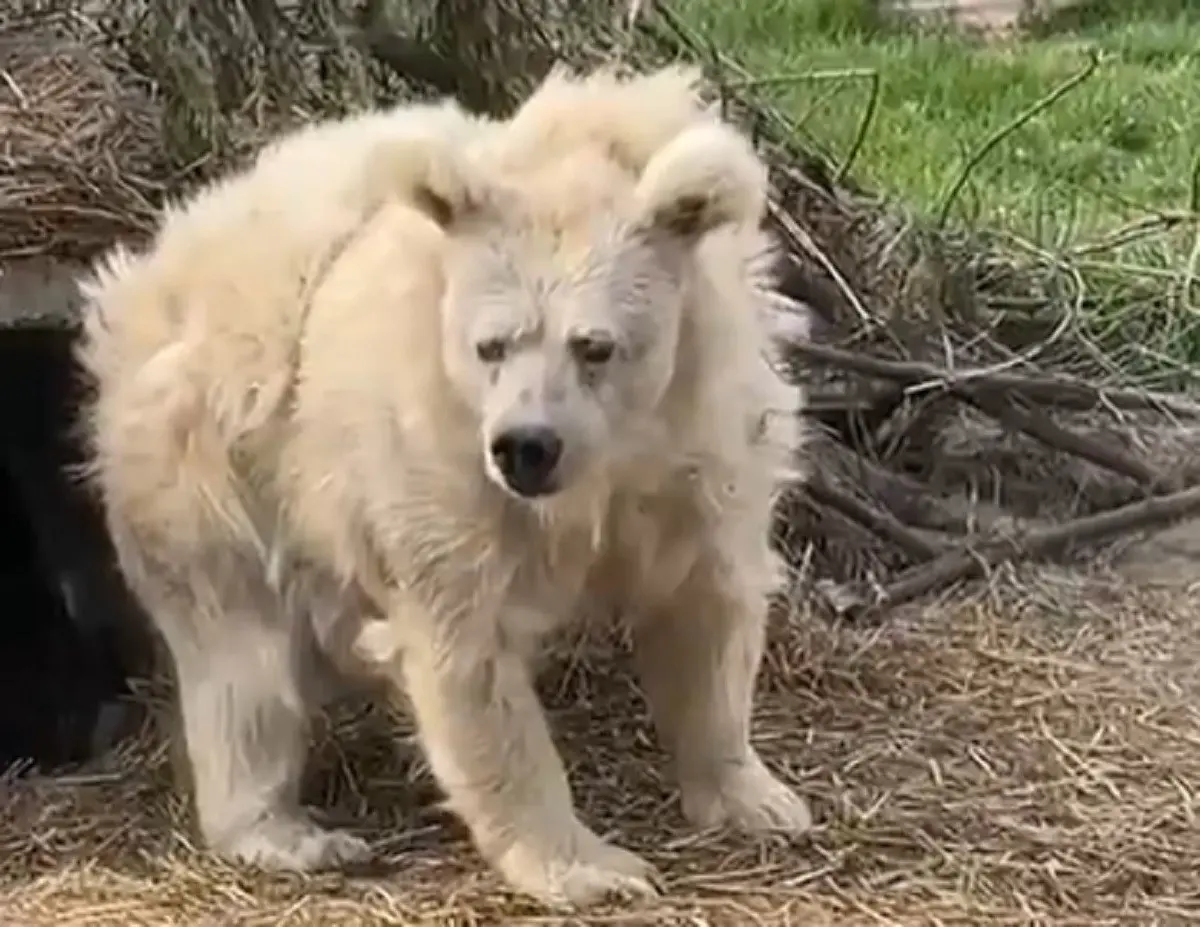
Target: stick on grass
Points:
(960, 181)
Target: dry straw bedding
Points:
(989, 763)
(79, 165)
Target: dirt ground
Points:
(1011, 760)
(988, 15)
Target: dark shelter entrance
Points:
(70, 632)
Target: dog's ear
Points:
(429, 169)
(707, 177)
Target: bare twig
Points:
(863, 129)
(1070, 394)
(1194, 187)
(801, 238)
(1039, 426)
(970, 562)
(881, 523)
(955, 188)
(906, 499)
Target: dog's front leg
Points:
(698, 653)
(489, 746)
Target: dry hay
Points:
(987, 764)
(81, 161)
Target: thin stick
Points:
(907, 501)
(1194, 198)
(880, 523)
(1040, 427)
(967, 563)
(955, 188)
(860, 135)
(1069, 394)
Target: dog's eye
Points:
(492, 351)
(593, 352)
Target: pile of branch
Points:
(962, 415)
(999, 467)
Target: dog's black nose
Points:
(527, 458)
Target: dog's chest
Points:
(639, 551)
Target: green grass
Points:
(1123, 142)
(1121, 145)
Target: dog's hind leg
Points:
(240, 664)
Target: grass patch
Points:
(1122, 144)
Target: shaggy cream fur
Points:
(407, 394)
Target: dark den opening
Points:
(67, 621)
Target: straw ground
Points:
(982, 763)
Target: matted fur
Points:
(301, 389)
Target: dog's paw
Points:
(746, 797)
(284, 842)
(589, 872)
